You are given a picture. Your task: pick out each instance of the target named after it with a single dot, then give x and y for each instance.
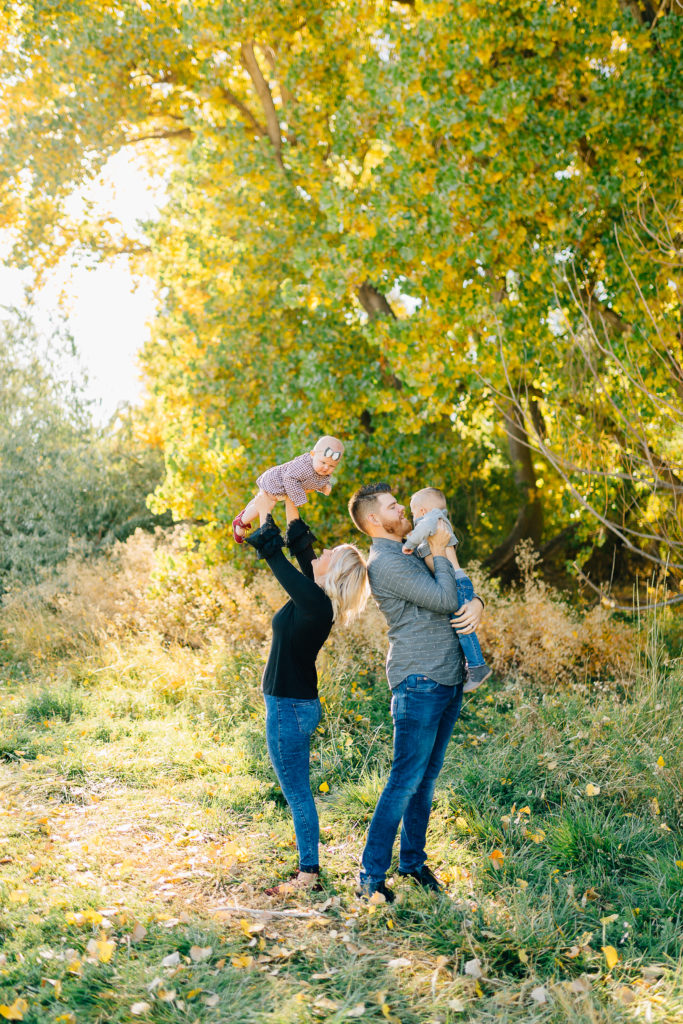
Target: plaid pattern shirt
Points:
(293, 479)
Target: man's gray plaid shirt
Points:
(417, 607)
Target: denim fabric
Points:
(424, 713)
(290, 723)
(468, 641)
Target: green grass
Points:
(130, 803)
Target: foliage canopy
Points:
(427, 226)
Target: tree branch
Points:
(162, 133)
(263, 92)
(244, 110)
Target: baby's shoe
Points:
(476, 675)
(237, 522)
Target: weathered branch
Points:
(374, 302)
(162, 133)
(529, 522)
(263, 92)
(244, 110)
(624, 607)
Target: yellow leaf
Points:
(661, 762)
(242, 961)
(611, 956)
(102, 949)
(323, 787)
(66, 1018)
(16, 1011)
(592, 790)
(497, 857)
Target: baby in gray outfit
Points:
(428, 507)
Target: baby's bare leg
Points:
(260, 506)
(452, 557)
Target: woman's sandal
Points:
(237, 521)
(301, 881)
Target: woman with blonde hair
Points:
(332, 588)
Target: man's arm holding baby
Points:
(467, 618)
(405, 578)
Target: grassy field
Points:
(141, 823)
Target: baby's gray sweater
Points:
(424, 527)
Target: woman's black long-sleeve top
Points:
(303, 624)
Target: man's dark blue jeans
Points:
(424, 713)
(290, 723)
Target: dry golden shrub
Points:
(159, 590)
(532, 632)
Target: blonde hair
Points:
(346, 584)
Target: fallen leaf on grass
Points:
(211, 1000)
(539, 994)
(323, 1003)
(653, 971)
(580, 986)
(625, 995)
(506, 997)
(199, 953)
(14, 1012)
(592, 789)
(139, 1008)
(356, 1011)
(660, 761)
(101, 949)
(323, 787)
(166, 995)
(242, 961)
(611, 956)
(66, 1018)
(473, 968)
(172, 960)
(536, 836)
(399, 961)
(497, 858)
(138, 933)
(456, 1005)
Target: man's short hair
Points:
(364, 501)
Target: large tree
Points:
(329, 164)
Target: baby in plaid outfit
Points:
(291, 481)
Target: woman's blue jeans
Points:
(424, 713)
(290, 723)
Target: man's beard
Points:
(398, 529)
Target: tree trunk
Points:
(529, 522)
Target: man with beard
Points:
(425, 670)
